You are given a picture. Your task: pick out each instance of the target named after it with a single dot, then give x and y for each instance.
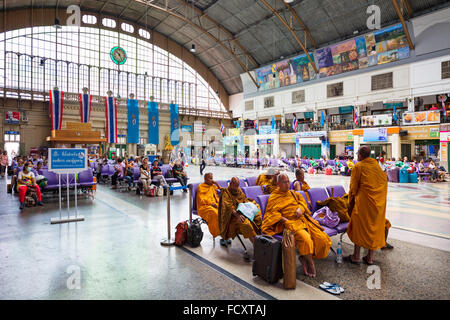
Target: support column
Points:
(396, 146)
(356, 145)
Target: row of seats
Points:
(256, 193)
(85, 179)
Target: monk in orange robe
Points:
(232, 222)
(208, 203)
(288, 209)
(367, 207)
(300, 184)
(268, 181)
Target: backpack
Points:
(181, 233)
(195, 233)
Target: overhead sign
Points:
(12, 117)
(376, 120)
(375, 135)
(424, 117)
(67, 160)
(186, 128)
(309, 134)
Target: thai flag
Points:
(56, 108)
(256, 125)
(85, 107)
(294, 123)
(355, 117)
(222, 128)
(111, 119)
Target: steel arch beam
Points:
(291, 31)
(305, 28)
(204, 31)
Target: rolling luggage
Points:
(403, 176)
(412, 177)
(267, 255)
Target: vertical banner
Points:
(85, 107)
(294, 123)
(111, 119)
(153, 123)
(133, 121)
(56, 108)
(174, 125)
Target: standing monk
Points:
(208, 203)
(367, 207)
(288, 209)
(230, 221)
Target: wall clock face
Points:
(118, 55)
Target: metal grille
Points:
(382, 81)
(298, 96)
(335, 90)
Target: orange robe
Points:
(228, 224)
(266, 183)
(368, 188)
(305, 187)
(309, 235)
(206, 197)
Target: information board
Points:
(72, 160)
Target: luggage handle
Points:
(265, 239)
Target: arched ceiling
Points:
(235, 36)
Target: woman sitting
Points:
(26, 180)
(145, 176)
(157, 174)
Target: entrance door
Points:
(332, 151)
(406, 151)
(12, 148)
(311, 151)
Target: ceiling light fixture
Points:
(193, 48)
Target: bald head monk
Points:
(208, 203)
(367, 207)
(232, 222)
(288, 209)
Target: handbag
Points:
(289, 262)
(194, 233)
(326, 217)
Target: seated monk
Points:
(288, 209)
(300, 183)
(368, 227)
(208, 203)
(230, 221)
(268, 180)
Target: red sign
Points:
(12, 117)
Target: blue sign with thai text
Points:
(67, 160)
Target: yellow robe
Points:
(309, 235)
(229, 226)
(305, 187)
(206, 197)
(266, 181)
(368, 188)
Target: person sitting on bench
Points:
(232, 222)
(26, 180)
(288, 209)
(300, 183)
(267, 181)
(208, 203)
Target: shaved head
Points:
(234, 184)
(363, 153)
(283, 182)
(209, 178)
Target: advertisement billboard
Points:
(376, 120)
(12, 117)
(423, 117)
(375, 135)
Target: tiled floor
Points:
(118, 253)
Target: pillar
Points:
(396, 146)
(356, 145)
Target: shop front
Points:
(384, 141)
(287, 145)
(445, 147)
(420, 142)
(313, 144)
(341, 143)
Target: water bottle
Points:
(339, 253)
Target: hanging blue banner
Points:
(133, 121)
(322, 119)
(174, 125)
(153, 123)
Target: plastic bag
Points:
(326, 217)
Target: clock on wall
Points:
(118, 55)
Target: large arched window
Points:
(37, 59)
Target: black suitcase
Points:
(267, 255)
